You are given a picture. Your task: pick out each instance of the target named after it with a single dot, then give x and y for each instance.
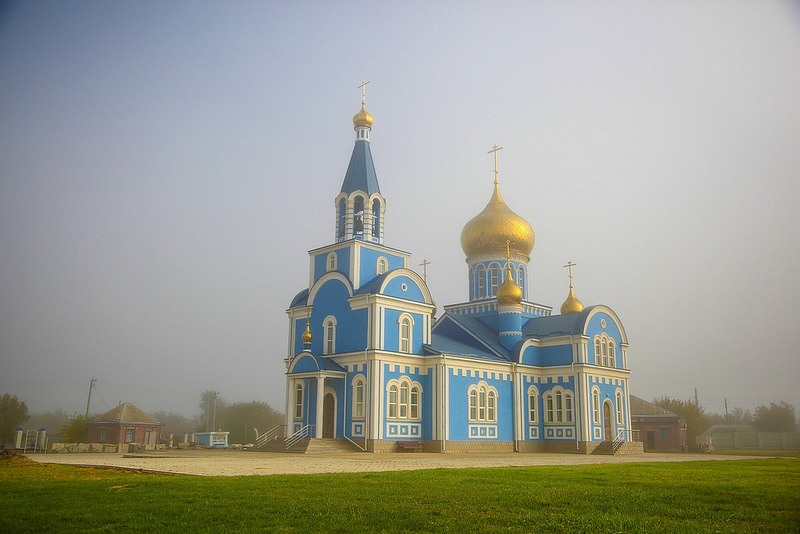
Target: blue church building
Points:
(367, 360)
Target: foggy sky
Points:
(165, 167)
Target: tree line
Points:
(238, 418)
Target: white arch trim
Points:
(332, 275)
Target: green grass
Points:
(713, 496)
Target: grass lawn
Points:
(714, 496)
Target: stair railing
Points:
(362, 449)
(273, 434)
(625, 434)
(302, 433)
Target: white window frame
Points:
(533, 405)
(329, 335)
(620, 413)
(482, 399)
(359, 397)
(596, 406)
(299, 396)
(381, 266)
(559, 406)
(404, 399)
(405, 344)
(331, 262)
(605, 351)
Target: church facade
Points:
(368, 361)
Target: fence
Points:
(756, 440)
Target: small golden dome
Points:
(572, 304)
(509, 293)
(362, 118)
(492, 229)
(307, 337)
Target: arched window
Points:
(619, 407)
(331, 263)
(414, 410)
(298, 401)
(382, 265)
(533, 405)
(358, 398)
(358, 216)
(596, 406)
(482, 402)
(558, 406)
(329, 333)
(376, 218)
(404, 399)
(342, 217)
(393, 401)
(406, 332)
(481, 274)
(605, 351)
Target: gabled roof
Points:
(466, 336)
(125, 413)
(360, 175)
(642, 407)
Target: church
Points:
(369, 362)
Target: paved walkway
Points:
(238, 463)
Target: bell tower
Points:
(360, 207)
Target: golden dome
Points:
(307, 337)
(509, 293)
(362, 118)
(494, 227)
(572, 304)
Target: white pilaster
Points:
(320, 395)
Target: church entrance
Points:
(607, 432)
(328, 415)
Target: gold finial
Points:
(495, 149)
(572, 304)
(362, 118)
(307, 337)
(424, 266)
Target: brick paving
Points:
(240, 463)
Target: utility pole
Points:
(214, 418)
(89, 400)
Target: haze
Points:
(165, 167)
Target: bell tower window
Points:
(341, 219)
(358, 217)
(376, 218)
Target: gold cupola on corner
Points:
(572, 304)
(491, 230)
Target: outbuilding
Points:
(124, 425)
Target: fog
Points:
(165, 167)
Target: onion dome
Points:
(495, 228)
(572, 304)
(509, 293)
(307, 337)
(362, 118)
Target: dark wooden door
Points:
(328, 415)
(607, 427)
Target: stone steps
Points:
(311, 446)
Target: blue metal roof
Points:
(301, 299)
(360, 174)
(466, 336)
(556, 325)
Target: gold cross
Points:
(424, 266)
(570, 265)
(363, 88)
(494, 149)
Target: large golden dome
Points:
(490, 230)
(362, 118)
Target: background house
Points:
(659, 429)
(125, 424)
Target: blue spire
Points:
(360, 174)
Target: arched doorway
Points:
(328, 415)
(607, 429)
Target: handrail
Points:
(356, 444)
(625, 434)
(303, 432)
(272, 434)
